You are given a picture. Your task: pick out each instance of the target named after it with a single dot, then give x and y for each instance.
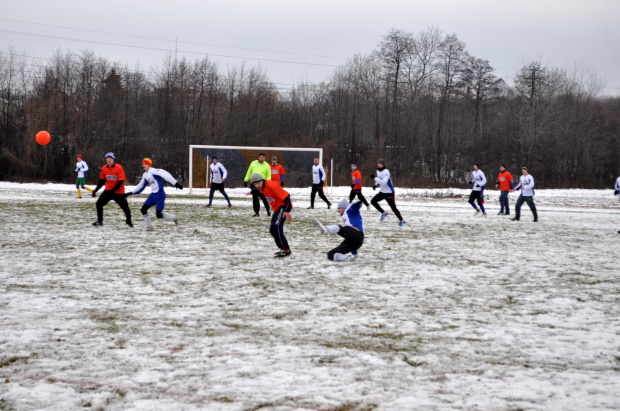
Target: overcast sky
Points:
(508, 33)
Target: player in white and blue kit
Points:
(478, 182)
(155, 177)
(526, 185)
(387, 192)
(351, 229)
(318, 180)
(218, 177)
(617, 191)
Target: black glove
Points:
(616, 192)
(178, 185)
(75, 171)
(245, 183)
(471, 182)
(128, 194)
(281, 183)
(352, 186)
(374, 187)
(372, 176)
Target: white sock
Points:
(168, 216)
(341, 257)
(147, 218)
(332, 229)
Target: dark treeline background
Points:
(420, 101)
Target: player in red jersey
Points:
(280, 202)
(356, 186)
(113, 177)
(277, 171)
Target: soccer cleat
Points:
(208, 205)
(129, 223)
(256, 215)
(78, 197)
(98, 223)
(402, 223)
(352, 258)
(514, 219)
(229, 205)
(176, 221)
(320, 226)
(500, 213)
(282, 253)
(310, 208)
(150, 228)
(329, 206)
(383, 216)
(536, 220)
(477, 212)
(484, 214)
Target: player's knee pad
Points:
(159, 213)
(144, 210)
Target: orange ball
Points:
(43, 137)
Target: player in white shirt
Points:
(155, 177)
(218, 177)
(351, 229)
(81, 169)
(526, 185)
(617, 191)
(383, 180)
(318, 180)
(478, 182)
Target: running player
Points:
(386, 192)
(356, 186)
(478, 181)
(318, 180)
(81, 168)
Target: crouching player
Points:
(280, 202)
(352, 230)
(155, 178)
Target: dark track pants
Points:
(120, 199)
(318, 188)
(389, 197)
(217, 187)
(359, 195)
(530, 202)
(353, 240)
(256, 194)
(277, 229)
(503, 202)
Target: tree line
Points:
(419, 100)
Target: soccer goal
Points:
(297, 163)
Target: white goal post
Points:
(203, 154)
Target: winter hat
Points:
(274, 158)
(110, 155)
(503, 165)
(79, 156)
(148, 162)
(213, 157)
(381, 161)
(343, 204)
(353, 165)
(255, 178)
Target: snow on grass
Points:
(450, 312)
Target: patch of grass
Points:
(12, 360)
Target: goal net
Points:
(297, 163)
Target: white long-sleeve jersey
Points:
(618, 184)
(218, 173)
(81, 167)
(318, 174)
(526, 185)
(384, 181)
(155, 178)
(479, 180)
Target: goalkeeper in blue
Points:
(155, 177)
(351, 229)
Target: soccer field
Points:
(451, 311)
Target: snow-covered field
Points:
(450, 312)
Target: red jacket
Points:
(504, 179)
(355, 176)
(276, 196)
(112, 175)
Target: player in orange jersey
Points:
(356, 186)
(505, 183)
(277, 171)
(280, 202)
(113, 177)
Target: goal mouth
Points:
(297, 163)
